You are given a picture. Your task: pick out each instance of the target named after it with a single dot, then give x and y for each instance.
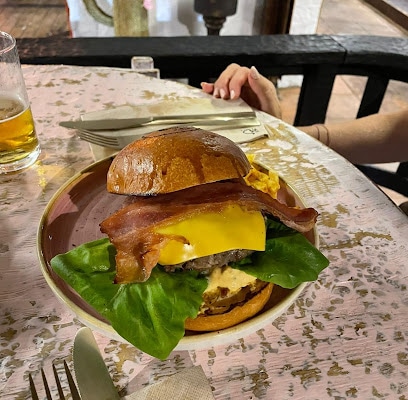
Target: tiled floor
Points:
(397, 10)
(337, 18)
(353, 17)
(349, 17)
(34, 18)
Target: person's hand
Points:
(256, 90)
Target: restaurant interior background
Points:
(70, 18)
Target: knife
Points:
(92, 375)
(123, 123)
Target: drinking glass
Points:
(19, 147)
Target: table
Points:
(346, 336)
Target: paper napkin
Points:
(188, 384)
(184, 106)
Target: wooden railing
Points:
(319, 58)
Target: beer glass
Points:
(19, 147)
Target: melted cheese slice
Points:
(211, 233)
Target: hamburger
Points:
(196, 246)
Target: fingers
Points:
(236, 81)
(265, 93)
(207, 87)
(229, 84)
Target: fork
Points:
(73, 389)
(120, 141)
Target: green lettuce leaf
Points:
(151, 315)
(288, 260)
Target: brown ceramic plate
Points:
(72, 218)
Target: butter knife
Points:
(91, 373)
(123, 123)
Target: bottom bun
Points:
(238, 314)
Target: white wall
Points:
(178, 18)
(82, 23)
(305, 18)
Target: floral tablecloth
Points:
(346, 336)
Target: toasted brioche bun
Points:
(173, 159)
(238, 314)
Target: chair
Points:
(319, 58)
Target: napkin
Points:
(188, 384)
(183, 106)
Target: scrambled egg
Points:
(267, 183)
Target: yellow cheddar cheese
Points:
(212, 233)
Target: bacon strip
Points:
(131, 229)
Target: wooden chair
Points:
(319, 58)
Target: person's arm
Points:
(378, 138)
(374, 139)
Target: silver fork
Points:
(73, 389)
(120, 141)
(105, 141)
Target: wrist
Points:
(319, 132)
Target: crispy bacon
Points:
(131, 229)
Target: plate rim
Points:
(189, 342)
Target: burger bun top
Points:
(174, 159)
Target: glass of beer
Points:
(19, 147)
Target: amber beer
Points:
(17, 133)
(19, 146)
